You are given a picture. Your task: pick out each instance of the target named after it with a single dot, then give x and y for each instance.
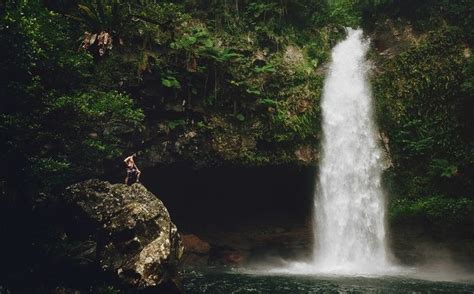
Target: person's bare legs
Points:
(138, 176)
(126, 180)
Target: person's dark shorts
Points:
(131, 171)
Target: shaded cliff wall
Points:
(233, 195)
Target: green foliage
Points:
(240, 117)
(55, 122)
(203, 60)
(107, 289)
(422, 105)
(343, 13)
(442, 168)
(267, 68)
(267, 102)
(438, 213)
(170, 82)
(423, 97)
(102, 15)
(173, 124)
(53, 172)
(92, 126)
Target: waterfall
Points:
(349, 205)
(349, 201)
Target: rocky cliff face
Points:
(125, 232)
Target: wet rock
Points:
(225, 255)
(467, 52)
(196, 251)
(293, 55)
(395, 38)
(64, 290)
(386, 154)
(127, 232)
(305, 154)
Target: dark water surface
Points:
(231, 281)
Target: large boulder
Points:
(127, 231)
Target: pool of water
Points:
(218, 280)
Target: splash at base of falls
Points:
(312, 268)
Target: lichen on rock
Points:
(135, 239)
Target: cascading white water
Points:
(349, 203)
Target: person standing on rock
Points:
(132, 169)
